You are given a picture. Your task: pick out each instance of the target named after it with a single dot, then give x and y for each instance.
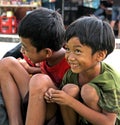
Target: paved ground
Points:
(5, 46)
(113, 59)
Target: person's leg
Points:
(38, 110)
(119, 29)
(70, 117)
(112, 23)
(90, 97)
(119, 22)
(46, 5)
(3, 112)
(114, 17)
(14, 81)
(99, 12)
(52, 5)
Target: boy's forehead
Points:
(74, 41)
(25, 41)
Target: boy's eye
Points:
(77, 51)
(66, 48)
(23, 48)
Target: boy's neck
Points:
(86, 77)
(56, 57)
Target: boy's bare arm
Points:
(94, 117)
(30, 69)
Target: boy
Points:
(91, 88)
(42, 37)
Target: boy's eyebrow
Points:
(74, 45)
(23, 45)
(77, 46)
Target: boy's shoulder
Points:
(109, 69)
(108, 77)
(61, 66)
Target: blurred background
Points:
(12, 11)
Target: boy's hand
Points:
(23, 63)
(48, 95)
(57, 96)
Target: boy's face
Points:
(80, 56)
(31, 52)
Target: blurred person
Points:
(91, 3)
(50, 4)
(88, 7)
(115, 15)
(102, 10)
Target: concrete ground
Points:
(113, 59)
(5, 46)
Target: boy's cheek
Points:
(66, 56)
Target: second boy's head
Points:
(89, 41)
(41, 29)
(92, 32)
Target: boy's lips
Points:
(73, 65)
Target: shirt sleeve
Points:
(70, 78)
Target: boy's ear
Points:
(49, 52)
(101, 55)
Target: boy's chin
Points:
(75, 71)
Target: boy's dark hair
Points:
(92, 32)
(44, 28)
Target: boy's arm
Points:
(30, 69)
(94, 117)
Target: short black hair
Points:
(44, 27)
(92, 32)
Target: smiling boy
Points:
(91, 88)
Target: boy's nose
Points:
(71, 56)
